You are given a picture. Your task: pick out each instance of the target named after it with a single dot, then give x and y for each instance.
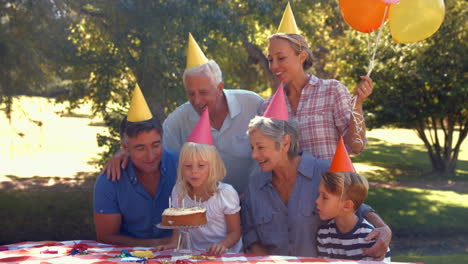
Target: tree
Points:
(426, 89)
(31, 36)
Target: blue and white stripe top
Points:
(331, 243)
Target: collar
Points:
(234, 107)
(313, 80)
(305, 168)
(306, 165)
(265, 178)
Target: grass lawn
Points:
(443, 259)
(44, 215)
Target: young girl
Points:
(199, 178)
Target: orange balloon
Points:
(363, 15)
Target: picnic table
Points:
(88, 251)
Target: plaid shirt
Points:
(323, 114)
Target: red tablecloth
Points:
(58, 252)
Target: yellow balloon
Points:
(415, 20)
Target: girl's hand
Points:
(165, 247)
(363, 89)
(217, 249)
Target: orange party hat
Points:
(201, 133)
(277, 108)
(341, 161)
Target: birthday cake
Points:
(192, 216)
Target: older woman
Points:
(322, 107)
(279, 215)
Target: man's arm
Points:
(108, 231)
(382, 235)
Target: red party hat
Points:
(277, 108)
(201, 133)
(341, 161)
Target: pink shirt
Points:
(323, 115)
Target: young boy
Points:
(341, 192)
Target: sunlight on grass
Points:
(423, 211)
(41, 141)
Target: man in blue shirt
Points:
(126, 212)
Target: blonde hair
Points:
(347, 185)
(207, 153)
(298, 44)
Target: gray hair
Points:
(210, 69)
(277, 129)
(133, 129)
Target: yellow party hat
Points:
(195, 55)
(288, 23)
(139, 110)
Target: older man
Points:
(126, 211)
(230, 112)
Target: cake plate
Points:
(184, 243)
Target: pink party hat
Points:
(341, 161)
(277, 108)
(201, 133)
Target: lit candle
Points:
(183, 203)
(195, 199)
(170, 202)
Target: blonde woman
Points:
(199, 176)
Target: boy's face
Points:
(328, 205)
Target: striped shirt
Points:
(333, 244)
(323, 114)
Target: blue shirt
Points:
(140, 211)
(284, 229)
(231, 140)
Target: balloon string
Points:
(358, 123)
(357, 117)
(371, 61)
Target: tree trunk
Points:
(257, 56)
(442, 155)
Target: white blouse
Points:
(224, 202)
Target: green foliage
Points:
(29, 33)
(38, 215)
(98, 50)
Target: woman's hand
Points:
(363, 89)
(217, 249)
(113, 166)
